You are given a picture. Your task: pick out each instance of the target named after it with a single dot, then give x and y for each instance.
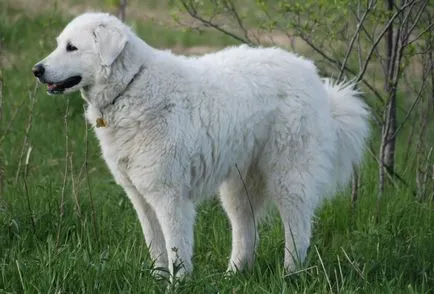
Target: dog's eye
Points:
(70, 47)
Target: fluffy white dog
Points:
(175, 130)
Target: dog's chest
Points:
(132, 158)
(118, 146)
(123, 145)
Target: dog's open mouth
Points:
(57, 88)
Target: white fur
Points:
(177, 134)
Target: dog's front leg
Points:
(176, 214)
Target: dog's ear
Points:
(110, 42)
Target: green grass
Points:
(99, 248)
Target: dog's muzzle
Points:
(54, 87)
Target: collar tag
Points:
(101, 123)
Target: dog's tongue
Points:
(51, 86)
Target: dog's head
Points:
(87, 45)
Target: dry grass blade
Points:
(324, 269)
(353, 264)
(1, 95)
(20, 275)
(65, 175)
(354, 190)
(89, 186)
(32, 97)
(302, 271)
(1, 111)
(26, 189)
(250, 204)
(75, 194)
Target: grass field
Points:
(66, 227)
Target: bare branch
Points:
(369, 36)
(428, 29)
(379, 38)
(193, 13)
(413, 105)
(353, 39)
(337, 63)
(236, 15)
(422, 173)
(416, 20)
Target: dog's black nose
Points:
(38, 70)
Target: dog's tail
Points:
(350, 116)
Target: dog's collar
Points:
(100, 121)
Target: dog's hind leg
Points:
(296, 214)
(243, 209)
(294, 184)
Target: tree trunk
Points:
(1, 112)
(388, 132)
(122, 9)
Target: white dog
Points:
(254, 124)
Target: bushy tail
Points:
(351, 117)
